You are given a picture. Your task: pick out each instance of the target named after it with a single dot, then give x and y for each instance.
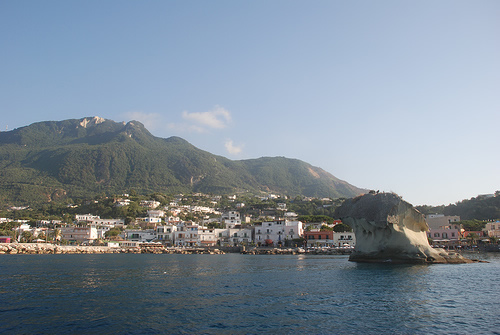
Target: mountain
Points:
(52, 160)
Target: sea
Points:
(244, 294)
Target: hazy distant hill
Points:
(72, 158)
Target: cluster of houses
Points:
(447, 230)
(172, 231)
(224, 229)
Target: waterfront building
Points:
(165, 234)
(79, 234)
(187, 235)
(277, 232)
(444, 235)
(440, 221)
(138, 235)
(493, 229)
(293, 229)
(222, 236)
(318, 238)
(238, 236)
(344, 239)
(207, 236)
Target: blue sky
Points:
(399, 96)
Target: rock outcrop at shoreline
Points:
(389, 229)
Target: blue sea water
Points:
(244, 294)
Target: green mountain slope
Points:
(80, 158)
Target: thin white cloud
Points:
(184, 127)
(217, 118)
(149, 120)
(233, 149)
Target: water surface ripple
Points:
(243, 294)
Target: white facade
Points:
(238, 236)
(187, 235)
(270, 233)
(207, 236)
(231, 219)
(150, 203)
(156, 213)
(344, 239)
(165, 234)
(143, 236)
(150, 219)
(293, 229)
(79, 234)
(107, 222)
(86, 217)
(277, 232)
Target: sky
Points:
(396, 96)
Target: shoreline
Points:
(49, 248)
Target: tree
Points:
(26, 236)
(473, 225)
(472, 238)
(56, 234)
(342, 228)
(113, 232)
(326, 228)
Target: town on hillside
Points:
(201, 220)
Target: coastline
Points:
(49, 248)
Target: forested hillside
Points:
(479, 208)
(54, 160)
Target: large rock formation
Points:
(389, 229)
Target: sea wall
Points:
(48, 248)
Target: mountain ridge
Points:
(52, 160)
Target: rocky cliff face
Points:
(389, 229)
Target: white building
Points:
(107, 222)
(277, 232)
(344, 239)
(231, 219)
(207, 236)
(86, 217)
(143, 236)
(150, 219)
(156, 213)
(79, 234)
(165, 234)
(187, 235)
(149, 203)
(238, 236)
